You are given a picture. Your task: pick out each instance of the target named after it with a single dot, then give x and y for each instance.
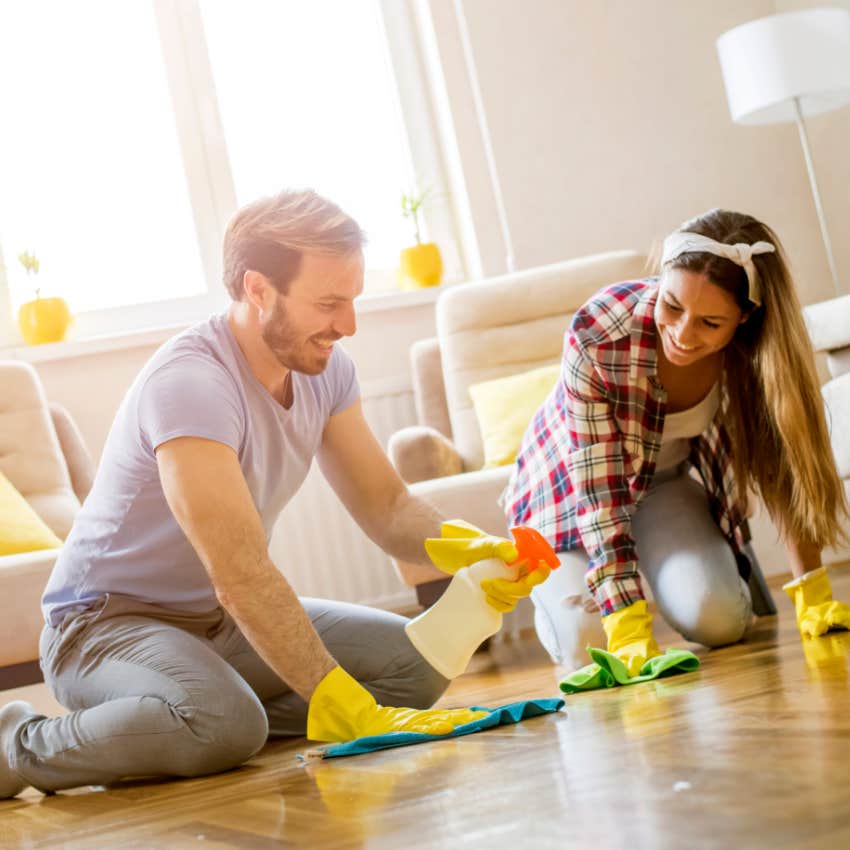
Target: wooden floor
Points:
(751, 751)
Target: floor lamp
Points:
(784, 67)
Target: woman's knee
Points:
(566, 626)
(716, 618)
(566, 618)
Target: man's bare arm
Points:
(208, 495)
(360, 472)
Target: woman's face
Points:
(694, 317)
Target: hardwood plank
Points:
(749, 751)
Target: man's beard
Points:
(281, 336)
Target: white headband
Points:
(682, 242)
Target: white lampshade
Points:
(768, 62)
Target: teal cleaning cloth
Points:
(503, 716)
(607, 671)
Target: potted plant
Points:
(421, 264)
(44, 319)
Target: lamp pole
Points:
(804, 141)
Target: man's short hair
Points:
(271, 234)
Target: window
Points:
(140, 126)
(90, 169)
(306, 100)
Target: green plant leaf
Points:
(29, 262)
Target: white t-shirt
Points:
(680, 428)
(125, 539)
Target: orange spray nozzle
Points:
(533, 548)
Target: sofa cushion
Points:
(419, 453)
(505, 406)
(30, 455)
(21, 529)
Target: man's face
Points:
(694, 316)
(317, 311)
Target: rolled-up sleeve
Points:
(595, 464)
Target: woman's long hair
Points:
(773, 409)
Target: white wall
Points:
(609, 127)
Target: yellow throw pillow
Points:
(504, 408)
(21, 528)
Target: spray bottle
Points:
(450, 631)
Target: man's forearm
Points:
(210, 499)
(271, 617)
(410, 521)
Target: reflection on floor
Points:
(750, 751)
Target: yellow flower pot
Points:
(44, 320)
(420, 266)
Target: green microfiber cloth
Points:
(502, 716)
(608, 671)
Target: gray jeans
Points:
(686, 561)
(157, 692)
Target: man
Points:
(172, 637)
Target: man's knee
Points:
(413, 682)
(221, 741)
(427, 685)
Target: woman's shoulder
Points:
(607, 315)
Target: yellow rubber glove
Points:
(341, 709)
(503, 594)
(629, 632)
(461, 544)
(817, 611)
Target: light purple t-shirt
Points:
(125, 539)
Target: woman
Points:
(678, 396)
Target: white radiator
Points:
(318, 546)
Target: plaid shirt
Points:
(589, 454)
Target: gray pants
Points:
(158, 692)
(687, 562)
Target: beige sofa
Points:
(44, 457)
(501, 326)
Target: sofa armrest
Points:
(420, 453)
(472, 496)
(77, 458)
(836, 396)
(429, 389)
(838, 361)
(828, 323)
(22, 582)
